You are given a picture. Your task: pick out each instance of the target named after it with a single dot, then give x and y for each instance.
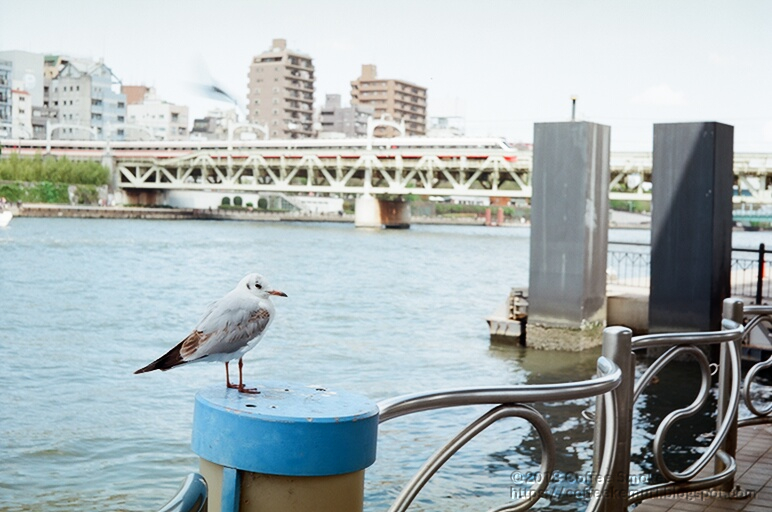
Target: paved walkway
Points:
(754, 474)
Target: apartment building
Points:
(281, 92)
(86, 94)
(346, 121)
(400, 99)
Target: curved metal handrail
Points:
(688, 344)
(408, 404)
(510, 402)
(698, 484)
(191, 496)
(733, 331)
(755, 315)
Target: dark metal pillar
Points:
(691, 227)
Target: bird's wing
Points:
(228, 326)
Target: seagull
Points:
(230, 327)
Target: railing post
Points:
(291, 447)
(616, 347)
(760, 275)
(732, 310)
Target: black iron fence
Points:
(629, 264)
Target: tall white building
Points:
(165, 120)
(21, 114)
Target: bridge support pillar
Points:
(691, 225)
(371, 212)
(367, 212)
(143, 197)
(292, 447)
(569, 235)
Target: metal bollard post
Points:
(732, 310)
(291, 447)
(617, 343)
(760, 275)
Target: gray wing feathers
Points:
(231, 323)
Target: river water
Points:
(84, 303)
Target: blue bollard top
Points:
(288, 429)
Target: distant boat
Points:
(5, 218)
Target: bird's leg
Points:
(228, 378)
(241, 388)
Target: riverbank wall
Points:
(133, 212)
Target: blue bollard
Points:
(291, 448)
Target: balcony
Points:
(295, 85)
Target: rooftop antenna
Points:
(573, 107)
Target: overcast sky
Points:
(503, 65)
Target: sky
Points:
(503, 65)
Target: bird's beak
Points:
(277, 292)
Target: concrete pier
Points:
(371, 212)
(569, 235)
(691, 230)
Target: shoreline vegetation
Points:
(52, 180)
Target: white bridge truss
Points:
(394, 174)
(494, 175)
(481, 167)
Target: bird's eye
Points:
(258, 286)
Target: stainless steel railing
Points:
(617, 390)
(691, 345)
(512, 401)
(191, 496)
(754, 315)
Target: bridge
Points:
(464, 166)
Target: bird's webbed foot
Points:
(250, 391)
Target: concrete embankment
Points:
(623, 220)
(132, 212)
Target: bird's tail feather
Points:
(166, 362)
